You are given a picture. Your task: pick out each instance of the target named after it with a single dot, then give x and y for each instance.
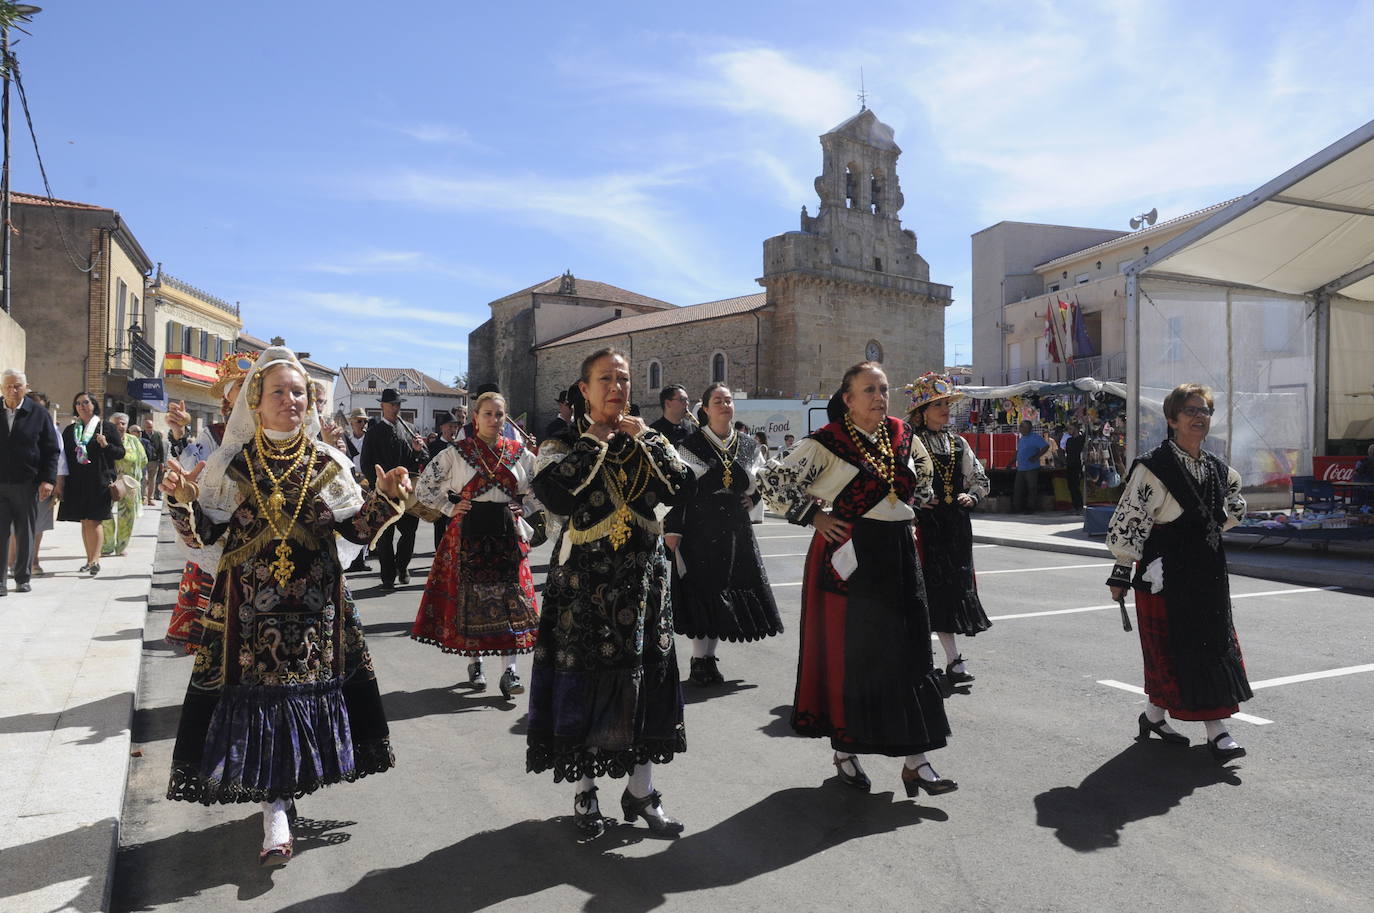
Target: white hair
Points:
(115, 415)
(15, 372)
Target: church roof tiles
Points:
(634, 323)
(591, 289)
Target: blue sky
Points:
(365, 177)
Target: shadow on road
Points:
(695, 694)
(780, 727)
(1146, 780)
(184, 865)
(57, 859)
(486, 869)
(410, 705)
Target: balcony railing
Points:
(1098, 367)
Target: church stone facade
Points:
(848, 286)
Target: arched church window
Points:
(875, 193)
(718, 368)
(655, 375)
(850, 190)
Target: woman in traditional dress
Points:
(92, 447)
(866, 678)
(197, 576)
(720, 588)
(479, 598)
(282, 698)
(120, 527)
(604, 694)
(944, 533)
(1178, 500)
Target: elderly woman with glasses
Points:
(1178, 500)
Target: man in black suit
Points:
(28, 472)
(563, 422)
(391, 442)
(674, 423)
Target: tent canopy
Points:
(1309, 230)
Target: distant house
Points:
(427, 399)
(326, 377)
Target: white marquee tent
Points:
(1270, 301)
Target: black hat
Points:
(485, 388)
(391, 396)
(562, 397)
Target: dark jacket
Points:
(156, 447)
(384, 445)
(28, 451)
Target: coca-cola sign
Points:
(1334, 469)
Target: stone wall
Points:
(12, 344)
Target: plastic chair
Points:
(1320, 496)
(1301, 486)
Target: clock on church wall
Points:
(873, 351)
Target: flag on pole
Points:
(1082, 343)
(1060, 341)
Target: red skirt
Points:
(1161, 683)
(479, 598)
(193, 598)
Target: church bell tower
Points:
(849, 286)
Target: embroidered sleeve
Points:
(786, 485)
(559, 483)
(975, 478)
(524, 475)
(192, 526)
(431, 487)
(1135, 514)
(921, 466)
(1235, 501)
(756, 467)
(666, 462)
(693, 462)
(377, 513)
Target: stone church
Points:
(848, 286)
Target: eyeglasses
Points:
(1197, 411)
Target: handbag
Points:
(119, 489)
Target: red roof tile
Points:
(35, 200)
(356, 379)
(590, 288)
(634, 323)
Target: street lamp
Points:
(19, 11)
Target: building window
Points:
(186, 340)
(401, 384)
(121, 301)
(655, 375)
(173, 337)
(850, 191)
(718, 368)
(875, 195)
(372, 383)
(1082, 279)
(1054, 287)
(878, 264)
(204, 346)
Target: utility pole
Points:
(18, 11)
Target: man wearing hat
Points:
(388, 443)
(448, 433)
(353, 438)
(564, 421)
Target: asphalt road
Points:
(1059, 809)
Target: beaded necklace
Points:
(624, 490)
(945, 465)
(273, 509)
(887, 471)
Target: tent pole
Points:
(1132, 365)
(1321, 387)
(1230, 381)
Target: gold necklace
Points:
(946, 470)
(283, 567)
(727, 457)
(883, 442)
(623, 494)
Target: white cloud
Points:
(442, 134)
(413, 261)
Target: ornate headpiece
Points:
(929, 388)
(231, 369)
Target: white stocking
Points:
(848, 763)
(1216, 728)
(951, 651)
(920, 764)
(703, 646)
(642, 780)
(276, 830)
(509, 660)
(1156, 714)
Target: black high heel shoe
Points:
(914, 782)
(859, 780)
(638, 808)
(1146, 727)
(587, 814)
(957, 678)
(1223, 755)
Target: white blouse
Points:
(823, 475)
(699, 469)
(1146, 502)
(450, 472)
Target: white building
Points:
(427, 400)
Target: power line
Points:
(47, 187)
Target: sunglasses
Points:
(1197, 411)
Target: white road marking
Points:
(1056, 567)
(1311, 676)
(795, 583)
(789, 555)
(1243, 717)
(1103, 608)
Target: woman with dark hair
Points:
(720, 587)
(944, 533)
(92, 448)
(604, 693)
(479, 596)
(866, 678)
(1178, 500)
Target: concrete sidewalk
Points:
(69, 665)
(1346, 565)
